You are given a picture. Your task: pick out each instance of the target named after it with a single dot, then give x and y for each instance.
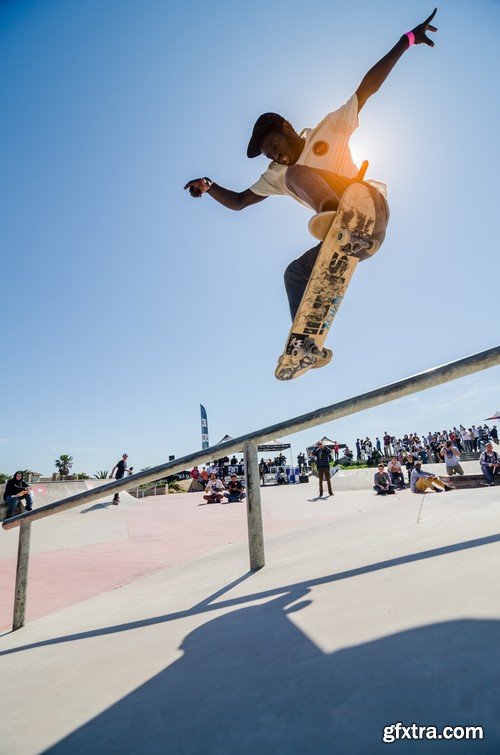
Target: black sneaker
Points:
(436, 490)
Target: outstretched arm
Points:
(234, 200)
(381, 70)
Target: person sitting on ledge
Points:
(421, 481)
(382, 484)
(235, 490)
(17, 490)
(396, 473)
(490, 464)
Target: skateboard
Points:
(348, 237)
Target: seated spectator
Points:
(214, 489)
(16, 491)
(451, 457)
(234, 490)
(382, 484)
(421, 481)
(490, 464)
(396, 474)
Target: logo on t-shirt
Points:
(320, 148)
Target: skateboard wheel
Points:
(373, 247)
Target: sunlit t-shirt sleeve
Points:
(272, 181)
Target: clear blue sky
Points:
(126, 303)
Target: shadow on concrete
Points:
(252, 682)
(97, 507)
(208, 605)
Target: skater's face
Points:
(284, 149)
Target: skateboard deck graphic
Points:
(348, 236)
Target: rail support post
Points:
(23, 557)
(254, 510)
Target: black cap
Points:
(264, 123)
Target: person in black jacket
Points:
(17, 490)
(323, 456)
(121, 468)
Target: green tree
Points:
(64, 464)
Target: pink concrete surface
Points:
(162, 532)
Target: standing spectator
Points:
(336, 449)
(121, 468)
(421, 481)
(494, 434)
(387, 444)
(204, 477)
(466, 442)
(381, 482)
(396, 473)
(263, 470)
(17, 490)
(323, 456)
(474, 437)
(451, 457)
(213, 491)
(234, 490)
(458, 439)
(358, 450)
(409, 464)
(378, 445)
(490, 464)
(195, 473)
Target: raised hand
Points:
(419, 31)
(197, 186)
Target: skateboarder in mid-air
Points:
(315, 166)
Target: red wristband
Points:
(411, 37)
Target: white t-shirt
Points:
(326, 147)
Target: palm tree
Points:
(64, 464)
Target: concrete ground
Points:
(153, 637)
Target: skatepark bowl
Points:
(369, 614)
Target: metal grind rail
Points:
(414, 384)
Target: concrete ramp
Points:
(368, 613)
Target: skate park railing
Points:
(414, 384)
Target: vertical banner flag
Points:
(204, 427)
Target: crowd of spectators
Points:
(428, 447)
